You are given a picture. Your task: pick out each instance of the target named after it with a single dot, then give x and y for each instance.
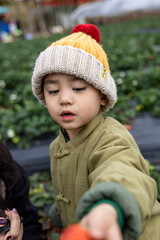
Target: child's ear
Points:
(104, 100)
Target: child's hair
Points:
(79, 54)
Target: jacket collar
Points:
(84, 133)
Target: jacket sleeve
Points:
(55, 218)
(117, 171)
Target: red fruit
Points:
(75, 232)
(129, 127)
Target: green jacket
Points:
(104, 162)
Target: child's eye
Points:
(79, 89)
(53, 91)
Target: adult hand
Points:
(16, 227)
(101, 223)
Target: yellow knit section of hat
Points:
(84, 42)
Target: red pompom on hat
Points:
(89, 29)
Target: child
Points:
(99, 175)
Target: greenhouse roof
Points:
(111, 8)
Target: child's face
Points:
(71, 101)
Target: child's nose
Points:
(66, 98)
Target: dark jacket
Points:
(18, 198)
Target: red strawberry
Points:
(75, 232)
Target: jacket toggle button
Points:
(60, 197)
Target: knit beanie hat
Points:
(79, 54)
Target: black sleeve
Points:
(20, 201)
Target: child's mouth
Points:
(67, 115)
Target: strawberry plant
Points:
(134, 59)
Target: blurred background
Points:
(38, 17)
(130, 35)
(32, 18)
